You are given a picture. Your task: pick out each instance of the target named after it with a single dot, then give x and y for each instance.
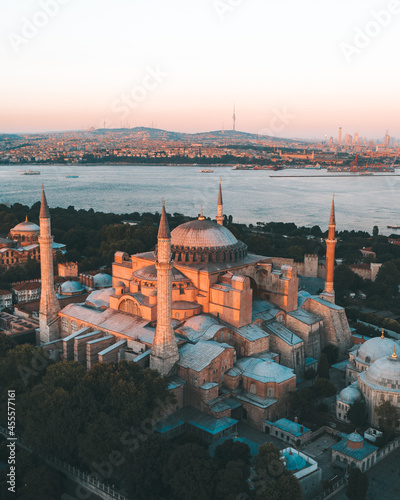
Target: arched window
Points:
(129, 306)
(253, 388)
(297, 358)
(271, 392)
(74, 327)
(64, 324)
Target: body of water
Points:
(249, 195)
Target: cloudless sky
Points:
(271, 58)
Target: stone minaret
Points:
(164, 351)
(49, 306)
(329, 292)
(220, 210)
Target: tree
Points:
(41, 483)
(375, 231)
(267, 462)
(323, 366)
(145, 467)
(388, 417)
(357, 414)
(231, 450)
(6, 344)
(323, 388)
(310, 374)
(232, 481)
(190, 473)
(285, 487)
(302, 402)
(357, 485)
(332, 353)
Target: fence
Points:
(86, 480)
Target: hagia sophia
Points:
(230, 329)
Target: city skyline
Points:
(289, 70)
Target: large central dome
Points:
(205, 241)
(202, 233)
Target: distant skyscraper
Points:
(340, 135)
(387, 139)
(356, 138)
(371, 145)
(234, 118)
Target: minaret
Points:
(49, 306)
(164, 351)
(234, 119)
(220, 210)
(329, 293)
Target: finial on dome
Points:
(201, 217)
(394, 355)
(383, 333)
(26, 219)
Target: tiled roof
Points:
(199, 356)
(283, 333)
(293, 428)
(358, 454)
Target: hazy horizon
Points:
(291, 69)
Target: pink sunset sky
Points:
(182, 65)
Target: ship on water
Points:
(30, 172)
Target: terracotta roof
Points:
(29, 285)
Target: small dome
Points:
(26, 227)
(266, 370)
(350, 395)
(120, 283)
(102, 280)
(384, 372)
(375, 348)
(294, 462)
(71, 287)
(354, 437)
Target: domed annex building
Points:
(229, 328)
(373, 372)
(22, 245)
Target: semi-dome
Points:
(102, 280)
(294, 462)
(384, 372)
(350, 395)
(375, 348)
(149, 273)
(205, 241)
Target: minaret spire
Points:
(220, 207)
(329, 292)
(164, 351)
(49, 306)
(163, 229)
